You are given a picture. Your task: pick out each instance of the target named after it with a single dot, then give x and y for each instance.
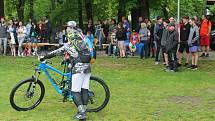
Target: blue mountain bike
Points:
(28, 94)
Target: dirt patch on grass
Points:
(193, 100)
(209, 90)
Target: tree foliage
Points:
(61, 11)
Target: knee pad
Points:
(85, 96)
(77, 98)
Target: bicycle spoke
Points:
(26, 96)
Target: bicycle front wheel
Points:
(99, 95)
(27, 95)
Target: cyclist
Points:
(80, 56)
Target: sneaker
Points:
(190, 67)
(207, 55)
(80, 116)
(195, 68)
(172, 70)
(186, 64)
(167, 69)
(157, 63)
(203, 55)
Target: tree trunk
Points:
(20, 9)
(135, 14)
(144, 8)
(80, 16)
(31, 14)
(1, 8)
(53, 4)
(89, 9)
(164, 9)
(121, 10)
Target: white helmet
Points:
(71, 24)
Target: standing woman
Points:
(11, 28)
(21, 31)
(121, 37)
(99, 33)
(33, 37)
(193, 42)
(144, 35)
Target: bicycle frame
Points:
(44, 67)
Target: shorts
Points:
(79, 81)
(205, 40)
(164, 49)
(184, 47)
(194, 49)
(121, 44)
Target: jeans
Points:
(141, 49)
(3, 40)
(110, 49)
(158, 51)
(20, 41)
(99, 37)
(172, 58)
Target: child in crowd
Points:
(112, 47)
(27, 50)
(134, 39)
(193, 43)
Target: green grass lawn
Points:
(140, 91)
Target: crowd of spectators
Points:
(158, 38)
(14, 32)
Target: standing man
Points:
(163, 42)
(205, 30)
(158, 31)
(3, 36)
(184, 35)
(171, 47)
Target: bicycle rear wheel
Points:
(27, 95)
(99, 95)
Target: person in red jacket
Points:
(205, 30)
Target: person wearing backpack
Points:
(193, 42)
(80, 57)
